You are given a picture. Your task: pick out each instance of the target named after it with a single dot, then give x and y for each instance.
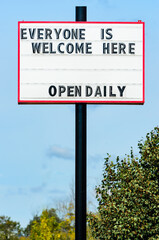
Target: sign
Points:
(89, 62)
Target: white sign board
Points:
(90, 62)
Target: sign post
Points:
(81, 163)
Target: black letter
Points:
(69, 48)
(45, 48)
(23, 32)
(111, 94)
(105, 91)
(51, 48)
(108, 33)
(74, 33)
(52, 91)
(66, 34)
(70, 91)
(57, 33)
(88, 47)
(78, 91)
(62, 89)
(114, 48)
(88, 91)
(32, 33)
(121, 90)
(98, 92)
(131, 48)
(79, 48)
(48, 33)
(106, 48)
(102, 33)
(81, 33)
(40, 33)
(59, 48)
(36, 47)
(122, 47)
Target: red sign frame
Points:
(78, 101)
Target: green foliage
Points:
(67, 226)
(9, 229)
(50, 227)
(128, 196)
(24, 238)
(149, 151)
(51, 213)
(45, 228)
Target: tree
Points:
(9, 229)
(50, 213)
(149, 150)
(50, 227)
(24, 238)
(45, 228)
(128, 196)
(67, 226)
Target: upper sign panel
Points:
(71, 62)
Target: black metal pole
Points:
(80, 171)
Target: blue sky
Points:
(37, 142)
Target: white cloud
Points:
(60, 152)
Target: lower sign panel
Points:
(84, 62)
